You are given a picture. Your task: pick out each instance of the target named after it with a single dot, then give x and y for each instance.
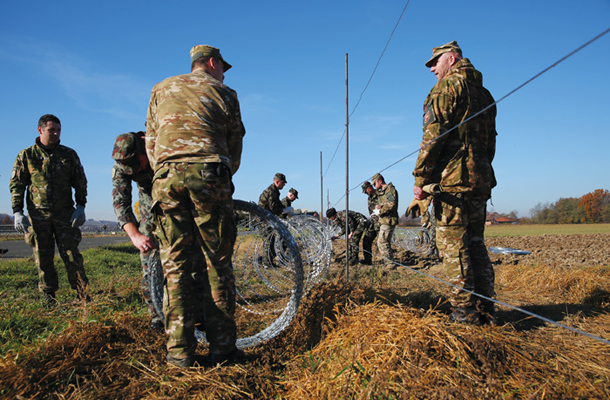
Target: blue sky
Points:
(93, 65)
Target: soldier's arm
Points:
(151, 130)
(236, 136)
(79, 182)
(122, 198)
(20, 179)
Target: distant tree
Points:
(568, 211)
(594, 204)
(7, 220)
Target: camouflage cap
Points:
(204, 50)
(377, 176)
(125, 151)
(294, 192)
(451, 47)
(280, 177)
(331, 212)
(365, 186)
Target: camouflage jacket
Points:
(372, 200)
(388, 199)
(270, 200)
(49, 177)
(286, 202)
(194, 118)
(122, 197)
(461, 160)
(357, 222)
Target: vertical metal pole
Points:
(347, 255)
(321, 189)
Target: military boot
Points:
(49, 300)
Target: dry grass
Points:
(381, 336)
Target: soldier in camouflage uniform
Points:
(387, 210)
(194, 142)
(49, 171)
(292, 196)
(270, 198)
(131, 165)
(459, 159)
(373, 229)
(357, 224)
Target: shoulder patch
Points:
(429, 115)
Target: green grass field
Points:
(535, 230)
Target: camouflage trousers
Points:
(191, 200)
(460, 241)
(367, 243)
(384, 241)
(48, 229)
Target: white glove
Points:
(376, 211)
(21, 222)
(78, 216)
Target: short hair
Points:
(42, 122)
(200, 62)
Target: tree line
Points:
(593, 207)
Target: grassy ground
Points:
(383, 335)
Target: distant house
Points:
(496, 219)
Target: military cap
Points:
(377, 176)
(294, 192)
(280, 177)
(365, 186)
(451, 47)
(331, 212)
(125, 151)
(204, 50)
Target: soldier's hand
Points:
(418, 207)
(78, 216)
(21, 222)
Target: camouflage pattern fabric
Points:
(373, 230)
(189, 110)
(49, 176)
(388, 199)
(460, 241)
(194, 142)
(177, 189)
(461, 163)
(461, 160)
(357, 224)
(286, 202)
(122, 179)
(388, 219)
(48, 229)
(270, 200)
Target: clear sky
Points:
(93, 65)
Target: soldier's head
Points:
(443, 58)
(49, 129)
(129, 152)
(293, 194)
(367, 188)
(208, 58)
(279, 180)
(378, 181)
(331, 214)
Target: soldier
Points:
(458, 157)
(270, 198)
(49, 171)
(373, 229)
(194, 142)
(387, 210)
(357, 225)
(131, 165)
(290, 197)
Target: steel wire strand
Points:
(531, 314)
(267, 296)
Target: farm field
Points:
(381, 335)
